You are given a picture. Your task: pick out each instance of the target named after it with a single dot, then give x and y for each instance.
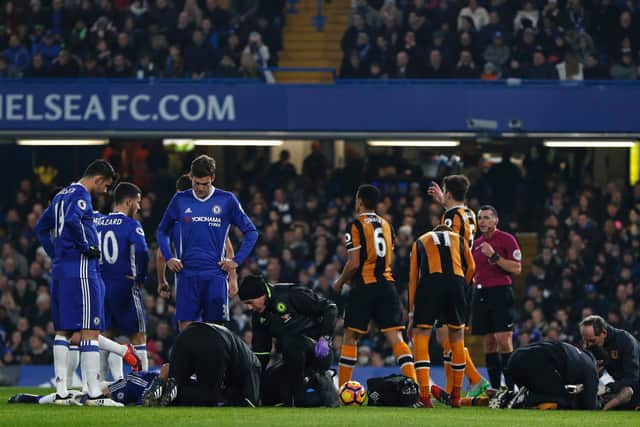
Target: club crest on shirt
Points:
(96, 320)
(82, 204)
(216, 209)
(614, 354)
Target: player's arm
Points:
(137, 238)
(73, 222)
(310, 304)
(471, 264)
(43, 230)
(630, 357)
(249, 236)
(435, 192)
(512, 263)
(353, 243)
(262, 340)
(233, 273)
(161, 272)
(414, 276)
(171, 215)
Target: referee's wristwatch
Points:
(495, 257)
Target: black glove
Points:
(93, 252)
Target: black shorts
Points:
(441, 298)
(491, 310)
(378, 302)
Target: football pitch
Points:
(49, 415)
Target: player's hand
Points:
(228, 264)
(337, 286)
(164, 291)
(487, 249)
(322, 349)
(93, 252)
(410, 328)
(175, 265)
(233, 287)
(435, 192)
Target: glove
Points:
(322, 348)
(92, 252)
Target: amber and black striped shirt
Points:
(461, 220)
(373, 236)
(439, 253)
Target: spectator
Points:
(199, 58)
(17, 54)
(145, 68)
(497, 53)
(540, 69)
(36, 69)
(92, 68)
(218, 16)
(435, 68)
(120, 67)
(490, 72)
(466, 67)
(625, 69)
(478, 15)
(65, 65)
(259, 53)
(350, 37)
(280, 173)
(227, 68)
(6, 69)
(570, 68)
(315, 166)
(593, 70)
(368, 13)
(527, 17)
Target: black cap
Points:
(253, 286)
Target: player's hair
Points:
(369, 195)
(183, 183)
(595, 321)
(125, 190)
(442, 227)
(457, 185)
(597, 352)
(203, 166)
(489, 208)
(101, 168)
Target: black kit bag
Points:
(392, 390)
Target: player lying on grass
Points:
(125, 391)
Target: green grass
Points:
(45, 415)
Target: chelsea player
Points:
(67, 233)
(123, 262)
(204, 215)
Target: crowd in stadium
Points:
(588, 262)
(489, 40)
(139, 39)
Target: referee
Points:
(497, 256)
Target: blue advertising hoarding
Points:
(174, 107)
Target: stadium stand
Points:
(477, 39)
(588, 257)
(142, 39)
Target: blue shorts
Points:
(123, 307)
(77, 300)
(202, 296)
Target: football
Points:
(352, 393)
